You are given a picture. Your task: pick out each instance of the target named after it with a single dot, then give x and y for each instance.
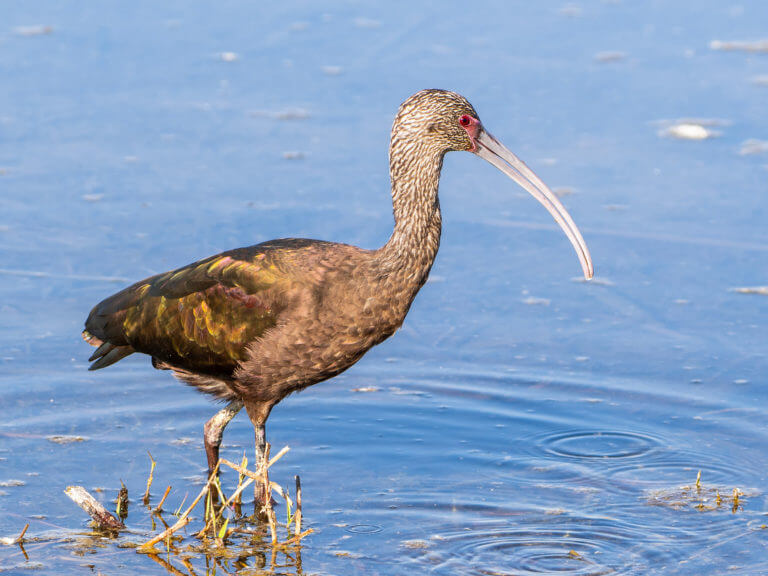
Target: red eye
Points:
(465, 120)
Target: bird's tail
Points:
(107, 353)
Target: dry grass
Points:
(219, 510)
(225, 532)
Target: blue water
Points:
(521, 421)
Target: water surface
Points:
(522, 421)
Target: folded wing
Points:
(200, 317)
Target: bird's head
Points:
(439, 121)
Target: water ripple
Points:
(671, 469)
(549, 544)
(598, 444)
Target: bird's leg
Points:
(214, 429)
(259, 489)
(258, 413)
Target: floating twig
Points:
(178, 510)
(9, 541)
(182, 521)
(103, 518)
(236, 494)
(277, 456)
(149, 546)
(159, 507)
(240, 477)
(20, 537)
(241, 470)
(298, 537)
(267, 507)
(149, 480)
(297, 514)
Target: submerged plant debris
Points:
(761, 290)
(690, 128)
(740, 45)
(701, 497)
(221, 534)
(753, 146)
(689, 131)
(65, 439)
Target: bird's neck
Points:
(408, 255)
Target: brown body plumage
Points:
(253, 325)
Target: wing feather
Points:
(200, 317)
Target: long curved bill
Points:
(490, 149)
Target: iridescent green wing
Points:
(200, 317)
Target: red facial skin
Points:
(473, 128)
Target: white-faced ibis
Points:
(252, 325)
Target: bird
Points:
(252, 325)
